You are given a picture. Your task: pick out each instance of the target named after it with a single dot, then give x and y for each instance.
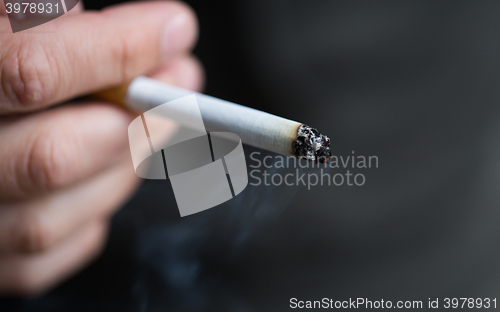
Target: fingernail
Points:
(177, 35)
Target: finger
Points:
(55, 148)
(40, 224)
(78, 8)
(66, 144)
(90, 51)
(186, 72)
(32, 274)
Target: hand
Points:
(65, 169)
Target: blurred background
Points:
(415, 83)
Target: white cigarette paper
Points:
(256, 128)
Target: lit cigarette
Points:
(256, 128)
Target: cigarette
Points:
(255, 127)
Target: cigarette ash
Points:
(311, 145)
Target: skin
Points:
(65, 169)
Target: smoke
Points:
(186, 264)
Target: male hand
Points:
(65, 169)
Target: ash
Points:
(311, 145)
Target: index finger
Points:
(89, 51)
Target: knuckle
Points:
(32, 234)
(25, 71)
(122, 51)
(46, 163)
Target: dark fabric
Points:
(412, 82)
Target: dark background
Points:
(413, 82)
